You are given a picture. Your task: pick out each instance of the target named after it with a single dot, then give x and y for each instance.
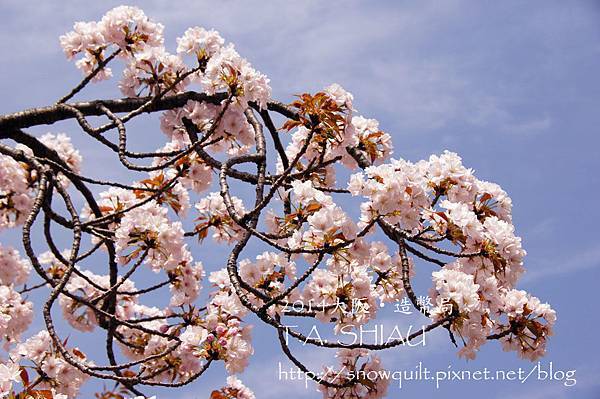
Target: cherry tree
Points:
(300, 162)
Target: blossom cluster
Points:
(90, 287)
(357, 276)
(13, 268)
(269, 273)
(127, 28)
(149, 236)
(15, 193)
(16, 313)
(326, 222)
(59, 376)
(361, 371)
(18, 181)
(328, 141)
(150, 69)
(442, 196)
(213, 216)
(235, 389)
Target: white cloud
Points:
(585, 259)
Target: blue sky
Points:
(511, 86)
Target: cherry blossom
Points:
(9, 373)
(235, 389)
(364, 369)
(40, 351)
(15, 314)
(323, 217)
(130, 29)
(84, 318)
(200, 42)
(15, 196)
(13, 268)
(152, 69)
(214, 216)
(530, 322)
